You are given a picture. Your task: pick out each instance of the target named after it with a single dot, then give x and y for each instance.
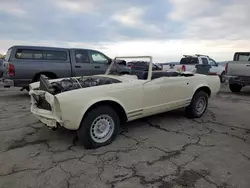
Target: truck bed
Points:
(238, 68)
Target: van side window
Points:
(41, 54)
(82, 56)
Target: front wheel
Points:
(235, 87)
(198, 105)
(99, 127)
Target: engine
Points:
(69, 84)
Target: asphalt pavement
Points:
(165, 151)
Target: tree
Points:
(2, 56)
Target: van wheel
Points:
(99, 127)
(235, 87)
(198, 105)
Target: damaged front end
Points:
(44, 103)
(46, 108)
(68, 84)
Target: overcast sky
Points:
(165, 29)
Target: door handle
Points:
(248, 65)
(77, 66)
(97, 67)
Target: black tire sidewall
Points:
(221, 77)
(84, 130)
(235, 87)
(191, 109)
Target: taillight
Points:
(11, 70)
(183, 68)
(226, 67)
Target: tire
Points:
(88, 136)
(235, 87)
(50, 76)
(222, 77)
(194, 111)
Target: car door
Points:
(165, 93)
(99, 61)
(81, 65)
(214, 67)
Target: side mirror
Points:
(109, 61)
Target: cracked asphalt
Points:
(165, 151)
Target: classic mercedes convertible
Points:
(97, 105)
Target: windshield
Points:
(7, 57)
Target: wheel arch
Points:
(204, 88)
(119, 109)
(46, 73)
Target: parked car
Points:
(188, 63)
(24, 64)
(238, 71)
(142, 65)
(97, 105)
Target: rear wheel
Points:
(99, 127)
(235, 87)
(198, 105)
(222, 77)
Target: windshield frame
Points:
(150, 64)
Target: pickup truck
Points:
(24, 64)
(188, 63)
(238, 71)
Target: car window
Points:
(189, 61)
(98, 57)
(82, 56)
(242, 57)
(204, 61)
(54, 55)
(40, 54)
(212, 62)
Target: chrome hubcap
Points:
(201, 105)
(102, 128)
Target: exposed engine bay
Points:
(69, 84)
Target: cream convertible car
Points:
(97, 105)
